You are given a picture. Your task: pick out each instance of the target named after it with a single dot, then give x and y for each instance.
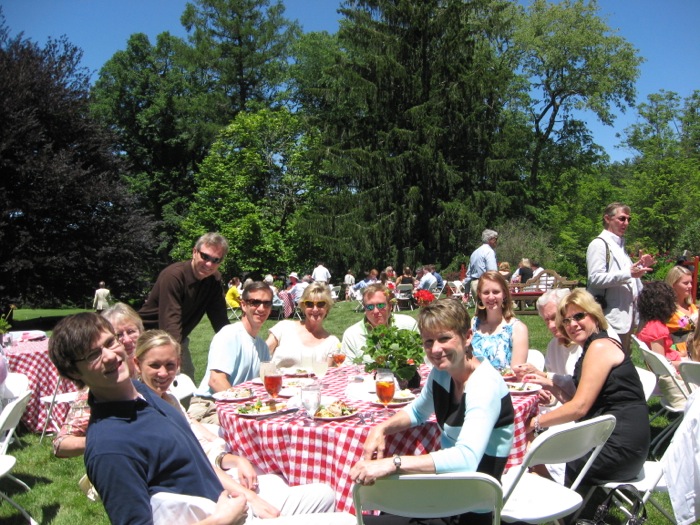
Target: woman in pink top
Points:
(656, 304)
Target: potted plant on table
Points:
(5, 324)
(401, 351)
(423, 297)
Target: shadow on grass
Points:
(38, 323)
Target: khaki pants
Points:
(203, 410)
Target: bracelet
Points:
(538, 427)
(219, 459)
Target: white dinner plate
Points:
(296, 371)
(235, 395)
(523, 388)
(337, 418)
(265, 411)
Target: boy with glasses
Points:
(376, 299)
(185, 291)
(235, 352)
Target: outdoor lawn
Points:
(55, 497)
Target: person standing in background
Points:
(185, 291)
(321, 274)
(613, 279)
(483, 259)
(101, 300)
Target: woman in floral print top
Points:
(683, 321)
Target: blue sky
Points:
(664, 31)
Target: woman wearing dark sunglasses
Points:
(606, 383)
(293, 343)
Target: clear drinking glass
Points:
(320, 363)
(385, 386)
(311, 399)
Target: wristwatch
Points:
(397, 462)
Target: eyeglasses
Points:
(370, 307)
(257, 302)
(131, 334)
(208, 258)
(94, 355)
(311, 304)
(576, 317)
(624, 218)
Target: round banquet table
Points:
(287, 445)
(32, 359)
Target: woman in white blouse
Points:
(293, 342)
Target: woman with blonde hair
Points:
(293, 342)
(606, 383)
(682, 323)
(498, 335)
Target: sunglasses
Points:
(624, 218)
(370, 307)
(318, 304)
(257, 302)
(576, 317)
(208, 258)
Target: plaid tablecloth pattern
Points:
(287, 303)
(326, 452)
(32, 359)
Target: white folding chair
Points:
(7, 462)
(9, 419)
(535, 358)
(182, 386)
(690, 372)
(404, 296)
(15, 385)
(534, 499)
(335, 293)
(456, 289)
(648, 379)
(430, 495)
(66, 397)
(662, 368)
(234, 313)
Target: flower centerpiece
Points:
(5, 324)
(423, 297)
(401, 351)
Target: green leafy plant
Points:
(401, 351)
(4, 320)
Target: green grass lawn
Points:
(55, 497)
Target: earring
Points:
(480, 305)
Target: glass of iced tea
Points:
(384, 383)
(272, 378)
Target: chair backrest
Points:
(535, 358)
(564, 443)
(430, 495)
(9, 419)
(335, 292)
(456, 287)
(15, 384)
(168, 508)
(690, 372)
(648, 379)
(403, 288)
(182, 387)
(658, 364)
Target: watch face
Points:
(397, 462)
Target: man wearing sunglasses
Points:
(235, 352)
(613, 279)
(376, 299)
(185, 291)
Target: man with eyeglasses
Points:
(185, 291)
(376, 299)
(613, 279)
(235, 352)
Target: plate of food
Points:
(401, 398)
(523, 388)
(335, 411)
(296, 372)
(235, 394)
(296, 382)
(260, 409)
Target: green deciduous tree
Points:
(66, 219)
(255, 180)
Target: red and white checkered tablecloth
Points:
(326, 452)
(32, 359)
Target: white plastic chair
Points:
(335, 293)
(180, 509)
(648, 379)
(234, 313)
(182, 386)
(66, 397)
(6, 464)
(534, 499)
(9, 419)
(456, 289)
(690, 372)
(15, 385)
(430, 495)
(661, 368)
(535, 358)
(404, 296)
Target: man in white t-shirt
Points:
(235, 352)
(321, 274)
(376, 299)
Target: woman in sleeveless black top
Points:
(606, 383)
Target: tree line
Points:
(396, 140)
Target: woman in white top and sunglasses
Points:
(293, 343)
